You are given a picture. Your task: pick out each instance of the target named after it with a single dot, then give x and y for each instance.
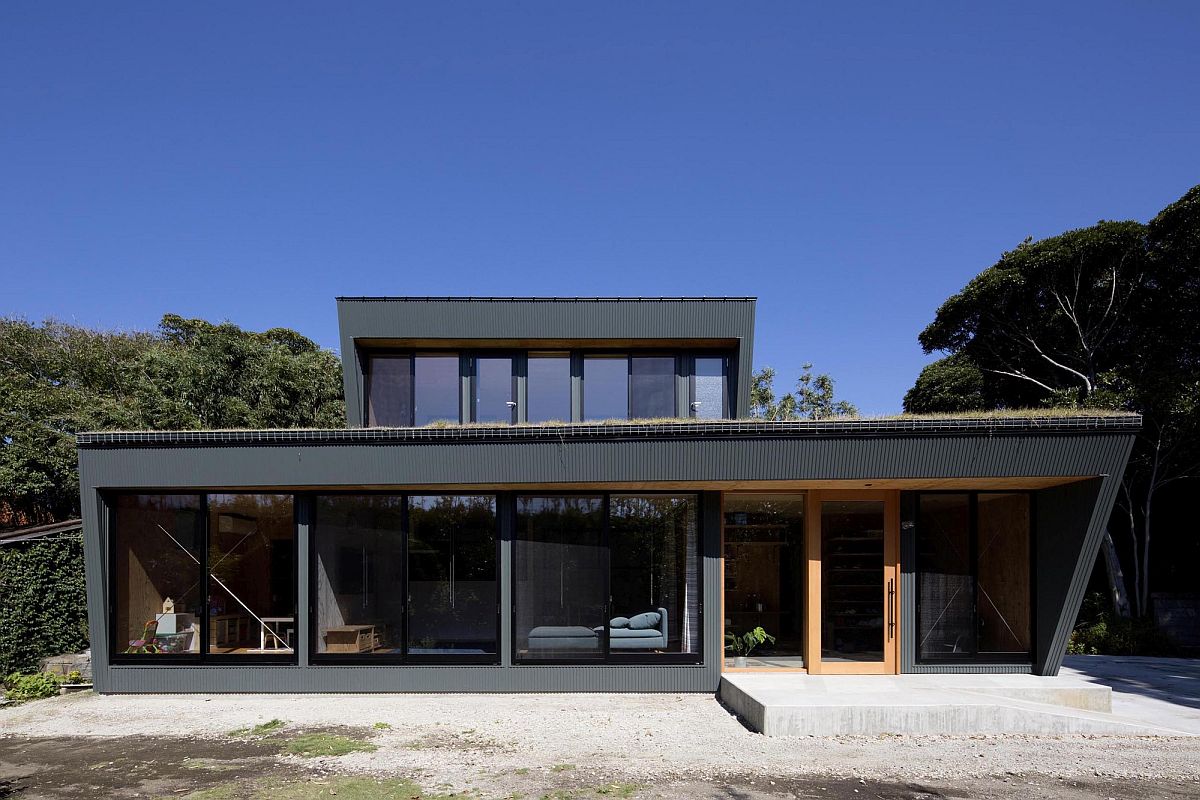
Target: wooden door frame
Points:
(891, 573)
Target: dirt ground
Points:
(556, 747)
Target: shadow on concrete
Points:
(1170, 680)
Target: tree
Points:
(950, 384)
(1101, 316)
(58, 379)
(813, 398)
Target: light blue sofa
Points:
(620, 637)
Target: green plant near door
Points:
(743, 645)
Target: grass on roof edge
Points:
(1016, 413)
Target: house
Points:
(567, 494)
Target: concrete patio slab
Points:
(833, 705)
(1160, 691)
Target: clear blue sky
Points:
(850, 164)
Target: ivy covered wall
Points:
(43, 603)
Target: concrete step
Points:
(803, 705)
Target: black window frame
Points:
(203, 657)
(609, 658)
(973, 557)
(403, 658)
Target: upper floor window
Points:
(605, 387)
(548, 387)
(417, 389)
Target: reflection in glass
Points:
(946, 614)
(605, 388)
(655, 576)
(852, 590)
(389, 391)
(1003, 587)
(452, 575)
(252, 574)
(652, 387)
(708, 388)
(561, 577)
(765, 572)
(436, 389)
(359, 570)
(495, 399)
(548, 387)
(159, 546)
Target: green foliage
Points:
(58, 379)
(813, 398)
(42, 602)
(949, 385)
(20, 688)
(327, 744)
(1100, 632)
(744, 644)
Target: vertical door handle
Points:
(891, 607)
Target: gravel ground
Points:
(496, 742)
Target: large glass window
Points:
(436, 387)
(852, 593)
(561, 578)
(655, 583)
(158, 545)
(973, 576)
(389, 391)
(652, 387)
(548, 387)
(765, 573)
(709, 400)
(495, 390)
(605, 387)
(452, 575)
(946, 602)
(252, 574)
(216, 583)
(359, 571)
(614, 576)
(1002, 588)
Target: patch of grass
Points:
(327, 744)
(521, 771)
(382, 726)
(262, 729)
(343, 788)
(562, 767)
(618, 789)
(223, 791)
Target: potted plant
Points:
(742, 646)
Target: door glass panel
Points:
(389, 391)
(494, 398)
(1003, 588)
(548, 387)
(359, 570)
(452, 575)
(655, 575)
(708, 388)
(252, 574)
(946, 604)
(561, 577)
(605, 387)
(652, 392)
(436, 389)
(159, 544)
(852, 590)
(765, 573)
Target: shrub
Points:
(19, 688)
(1098, 631)
(43, 604)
